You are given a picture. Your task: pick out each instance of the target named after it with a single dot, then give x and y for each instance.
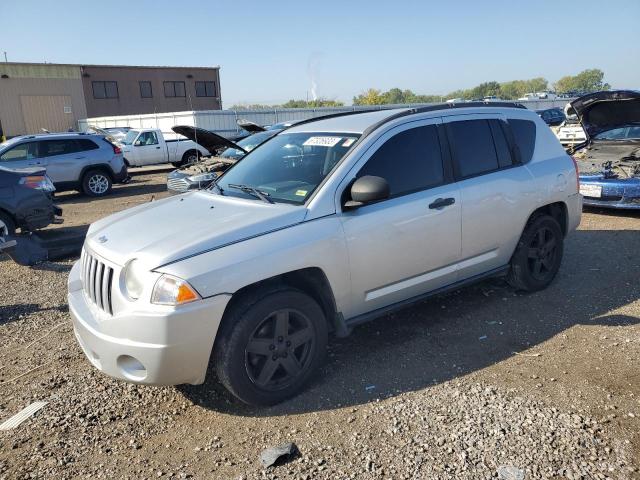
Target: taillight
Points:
(116, 149)
(575, 165)
(39, 182)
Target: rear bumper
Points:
(122, 176)
(625, 203)
(167, 346)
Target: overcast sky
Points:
(272, 51)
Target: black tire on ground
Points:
(270, 345)
(7, 225)
(538, 255)
(96, 183)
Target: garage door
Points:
(52, 112)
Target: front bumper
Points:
(156, 346)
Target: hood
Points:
(209, 140)
(250, 126)
(602, 111)
(167, 230)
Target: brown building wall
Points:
(130, 102)
(34, 96)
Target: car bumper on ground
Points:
(611, 193)
(169, 346)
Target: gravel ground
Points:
(454, 387)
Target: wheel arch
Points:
(557, 210)
(99, 166)
(311, 280)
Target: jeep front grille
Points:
(97, 279)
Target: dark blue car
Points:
(609, 160)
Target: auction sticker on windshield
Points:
(322, 141)
(594, 191)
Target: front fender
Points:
(318, 243)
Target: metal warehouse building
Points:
(34, 96)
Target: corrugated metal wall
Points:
(40, 96)
(224, 122)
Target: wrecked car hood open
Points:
(209, 140)
(186, 225)
(603, 111)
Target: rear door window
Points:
(472, 147)
(410, 161)
(51, 148)
(524, 133)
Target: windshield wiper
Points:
(264, 196)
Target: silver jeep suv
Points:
(330, 223)
(74, 161)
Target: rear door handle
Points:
(158, 148)
(442, 202)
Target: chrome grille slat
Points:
(97, 279)
(97, 286)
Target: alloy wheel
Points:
(542, 253)
(98, 184)
(280, 349)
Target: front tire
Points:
(7, 225)
(270, 346)
(538, 255)
(96, 183)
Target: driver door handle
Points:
(442, 202)
(157, 147)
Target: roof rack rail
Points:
(440, 106)
(334, 115)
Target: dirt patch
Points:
(453, 387)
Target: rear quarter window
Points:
(524, 134)
(86, 144)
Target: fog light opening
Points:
(131, 368)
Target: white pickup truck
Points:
(148, 146)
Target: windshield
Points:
(630, 132)
(248, 143)
(289, 167)
(129, 137)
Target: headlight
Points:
(170, 290)
(134, 279)
(202, 177)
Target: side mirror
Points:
(367, 189)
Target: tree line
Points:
(590, 80)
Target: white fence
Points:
(224, 122)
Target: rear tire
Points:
(270, 346)
(96, 183)
(538, 255)
(190, 156)
(7, 225)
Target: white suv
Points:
(333, 222)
